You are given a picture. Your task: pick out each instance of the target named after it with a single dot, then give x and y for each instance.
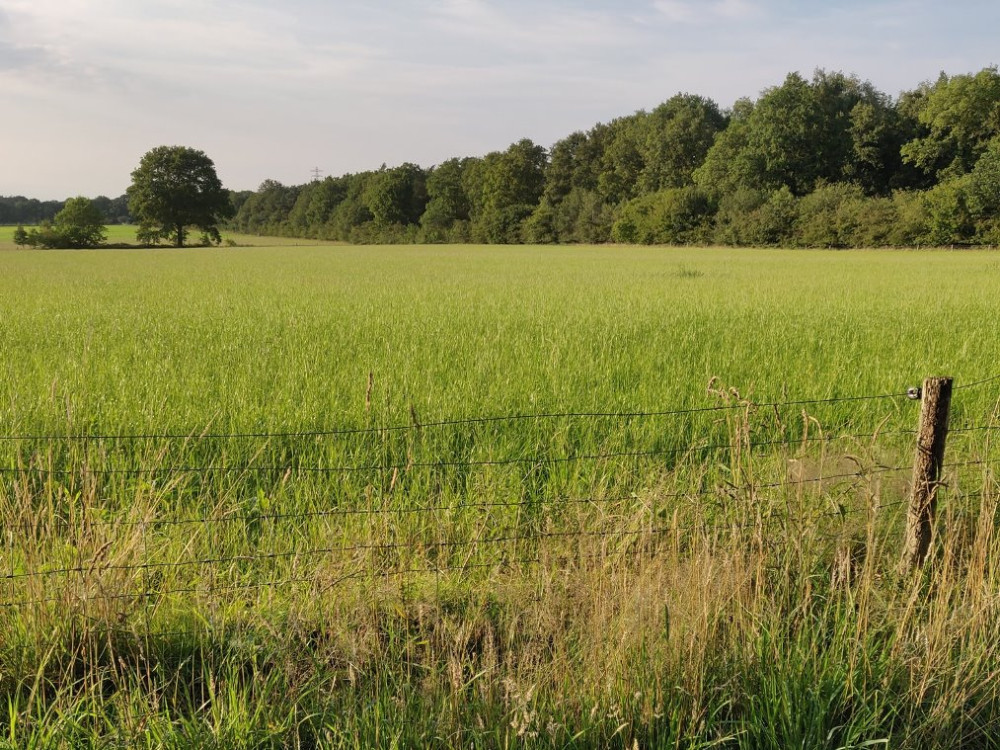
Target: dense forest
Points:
(823, 162)
(826, 162)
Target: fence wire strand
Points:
(362, 571)
(416, 425)
(423, 546)
(536, 460)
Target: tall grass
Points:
(704, 579)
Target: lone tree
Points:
(174, 188)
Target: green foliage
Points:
(983, 186)
(502, 226)
(748, 217)
(805, 133)
(873, 222)
(79, 224)
(877, 133)
(21, 238)
(678, 135)
(503, 189)
(728, 165)
(827, 216)
(266, 212)
(313, 207)
(576, 205)
(649, 152)
(175, 188)
(868, 170)
(44, 236)
(949, 217)
(17, 209)
(397, 196)
(580, 217)
(622, 162)
(114, 210)
(447, 201)
(567, 168)
(352, 211)
(909, 227)
(960, 115)
(539, 228)
(677, 216)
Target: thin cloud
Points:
(15, 57)
(14, 54)
(542, 28)
(736, 10)
(137, 52)
(691, 12)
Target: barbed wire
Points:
(535, 460)
(974, 428)
(375, 572)
(257, 517)
(416, 425)
(398, 466)
(382, 510)
(326, 584)
(977, 383)
(92, 567)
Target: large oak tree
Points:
(175, 188)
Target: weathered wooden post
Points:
(931, 433)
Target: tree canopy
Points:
(81, 223)
(173, 189)
(959, 115)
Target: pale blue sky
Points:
(273, 89)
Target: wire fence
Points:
(464, 421)
(536, 459)
(64, 546)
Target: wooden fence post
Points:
(931, 434)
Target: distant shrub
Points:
(909, 227)
(748, 217)
(828, 216)
(539, 228)
(872, 221)
(676, 216)
(950, 220)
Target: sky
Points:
(276, 89)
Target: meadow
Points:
(492, 496)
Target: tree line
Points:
(823, 162)
(16, 209)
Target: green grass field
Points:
(313, 559)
